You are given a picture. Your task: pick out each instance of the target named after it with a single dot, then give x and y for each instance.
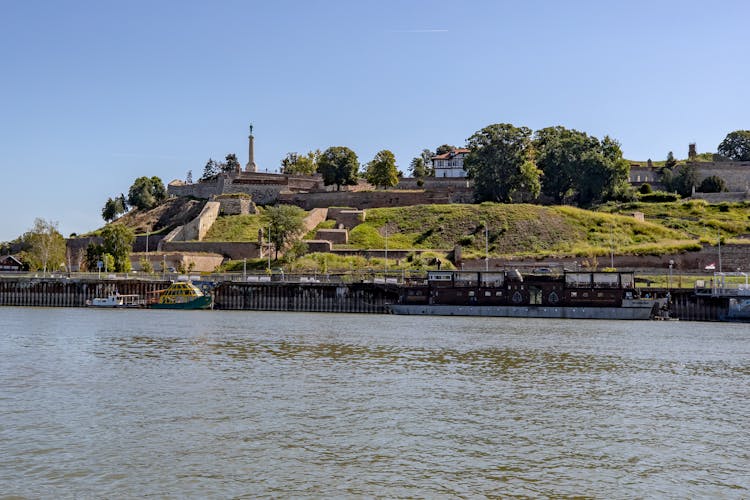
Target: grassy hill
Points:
(163, 218)
(516, 230)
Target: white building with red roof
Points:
(450, 164)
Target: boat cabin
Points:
(511, 288)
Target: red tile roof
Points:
(450, 154)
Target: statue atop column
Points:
(251, 166)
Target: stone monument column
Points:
(251, 167)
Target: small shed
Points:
(10, 263)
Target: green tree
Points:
(118, 242)
(501, 164)
(231, 164)
(298, 164)
(685, 179)
(579, 166)
(285, 222)
(736, 145)
(670, 163)
(712, 184)
(145, 193)
(445, 148)
(426, 156)
(109, 212)
(604, 173)
(114, 207)
(146, 265)
(382, 171)
(559, 155)
(210, 170)
(418, 169)
(45, 246)
(339, 165)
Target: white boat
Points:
(116, 300)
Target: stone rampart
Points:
(236, 205)
(201, 262)
(315, 217)
(231, 250)
(349, 219)
(335, 236)
(314, 246)
(374, 199)
(197, 228)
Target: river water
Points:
(115, 403)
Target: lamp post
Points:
(486, 247)
(244, 269)
(269, 248)
(386, 249)
(671, 263)
(147, 244)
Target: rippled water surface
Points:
(246, 404)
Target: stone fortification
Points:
(348, 219)
(315, 217)
(335, 236)
(231, 250)
(374, 199)
(197, 228)
(736, 174)
(238, 204)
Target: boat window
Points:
(471, 293)
(487, 293)
(498, 294)
(574, 294)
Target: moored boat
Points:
(180, 295)
(575, 295)
(116, 300)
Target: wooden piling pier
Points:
(369, 298)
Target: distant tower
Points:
(251, 166)
(692, 153)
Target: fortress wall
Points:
(434, 183)
(373, 199)
(735, 174)
(232, 250)
(197, 228)
(350, 218)
(336, 236)
(315, 217)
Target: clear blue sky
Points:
(96, 93)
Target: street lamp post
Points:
(486, 247)
(386, 249)
(671, 263)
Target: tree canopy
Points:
(210, 170)
(339, 165)
(736, 146)
(445, 148)
(231, 163)
(113, 208)
(118, 242)
(145, 193)
(501, 164)
(382, 171)
(671, 162)
(712, 184)
(299, 164)
(45, 246)
(284, 222)
(578, 166)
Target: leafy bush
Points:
(659, 197)
(645, 188)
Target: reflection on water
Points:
(218, 404)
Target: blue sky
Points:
(97, 93)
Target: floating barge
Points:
(575, 295)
